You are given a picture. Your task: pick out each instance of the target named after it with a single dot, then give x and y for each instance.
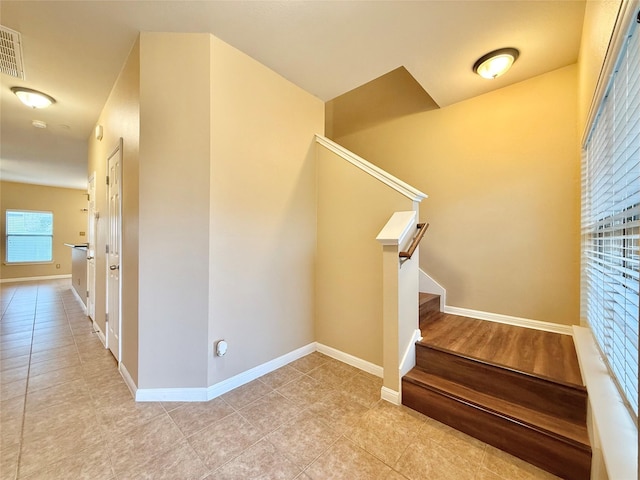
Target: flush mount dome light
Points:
(33, 98)
(495, 63)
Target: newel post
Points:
(399, 303)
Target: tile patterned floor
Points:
(67, 414)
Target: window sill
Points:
(10, 264)
(613, 431)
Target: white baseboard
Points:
(189, 394)
(203, 394)
(351, 360)
(245, 377)
(409, 358)
(509, 320)
(390, 396)
(75, 294)
(127, 379)
(96, 329)
(34, 279)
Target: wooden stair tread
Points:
(426, 297)
(573, 386)
(544, 354)
(557, 427)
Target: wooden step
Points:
(545, 354)
(551, 397)
(551, 443)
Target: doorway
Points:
(114, 242)
(91, 248)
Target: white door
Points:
(114, 222)
(91, 249)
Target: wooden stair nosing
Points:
(536, 392)
(559, 428)
(553, 454)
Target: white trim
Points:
(351, 360)
(203, 394)
(428, 285)
(245, 377)
(127, 379)
(509, 320)
(399, 225)
(189, 394)
(390, 396)
(386, 178)
(32, 279)
(100, 333)
(624, 20)
(615, 430)
(409, 358)
(84, 307)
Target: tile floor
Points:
(67, 414)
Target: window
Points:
(29, 236)
(611, 221)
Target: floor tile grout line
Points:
(93, 409)
(59, 296)
(26, 390)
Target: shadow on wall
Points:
(393, 95)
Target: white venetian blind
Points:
(611, 220)
(29, 236)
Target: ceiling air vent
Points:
(11, 53)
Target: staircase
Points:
(515, 388)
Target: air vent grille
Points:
(11, 53)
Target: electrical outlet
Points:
(82, 234)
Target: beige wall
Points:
(502, 174)
(120, 119)
(599, 20)
(219, 210)
(262, 212)
(68, 221)
(352, 209)
(174, 209)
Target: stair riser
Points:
(431, 306)
(547, 452)
(429, 310)
(526, 390)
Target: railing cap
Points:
(400, 226)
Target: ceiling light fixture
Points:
(495, 63)
(33, 98)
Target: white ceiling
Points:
(74, 50)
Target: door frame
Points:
(116, 151)
(92, 228)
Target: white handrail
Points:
(376, 172)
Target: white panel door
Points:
(91, 249)
(114, 222)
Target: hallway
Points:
(67, 414)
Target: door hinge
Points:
(106, 247)
(107, 179)
(106, 317)
(87, 293)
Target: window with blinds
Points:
(611, 221)
(29, 236)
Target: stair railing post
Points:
(399, 302)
